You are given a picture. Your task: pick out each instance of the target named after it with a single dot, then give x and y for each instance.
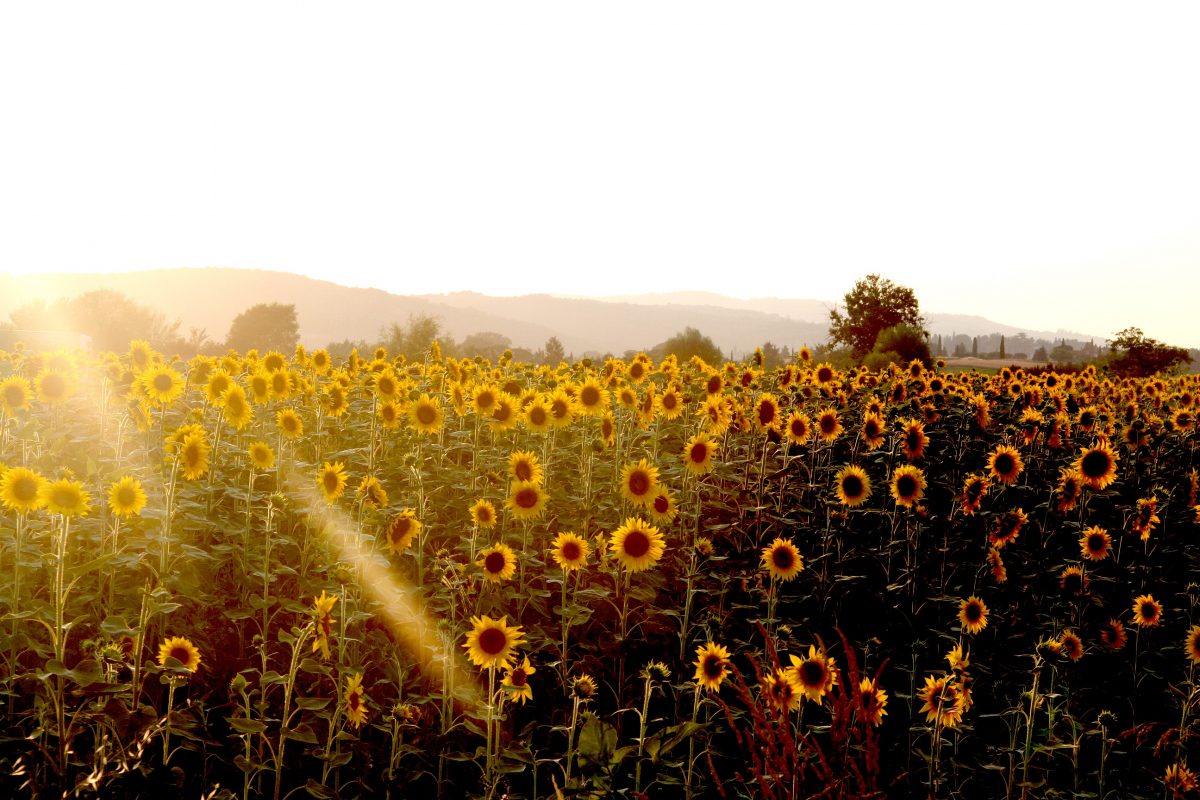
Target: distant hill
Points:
(210, 298)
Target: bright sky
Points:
(1037, 163)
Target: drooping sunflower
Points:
(908, 485)
(1144, 517)
(814, 675)
(1006, 528)
(780, 691)
(356, 700)
(1005, 464)
(322, 612)
(483, 513)
(371, 492)
(426, 414)
(21, 489)
(1069, 490)
(498, 562)
(1112, 635)
(523, 467)
(289, 423)
(995, 562)
(526, 501)
(829, 424)
(15, 393)
(1191, 644)
(798, 427)
(161, 385)
(1073, 580)
(608, 429)
(782, 560)
(974, 489)
(261, 456)
(491, 642)
(570, 551)
(663, 509)
(941, 701)
(1147, 612)
(126, 497)
(913, 439)
(972, 613)
(698, 454)
(637, 545)
(1097, 466)
(873, 430)
(712, 666)
(193, 456)
(874, 701)
(66, 497)
(516, 681)
(331, 480)
(1095, 543)
(401, 531)
(180, 649)
(853, 486)
(1071, 644)
(639, 482)
(583, 687)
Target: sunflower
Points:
(698, 454)
(1097, 466)
(712, 666)
(717, 413)
(663, 509)
(54, 386)
(21, 489)
(583, 688)
(218, 382)
(853, 486)
(498, 562)
(798, 427)
(15, 392)
(872, 430)
(1071, 644)
(1005, 465)
(995, 563)
(639, 482)
(908, 485)
(516, 681)
(1144, 517)
(1191, 644)
(193, 456)
(1112, 635)
(536, 416)
(390, 414)
(561, 408)
(289, 423)
(1073, 580)
(322, 612)
(813, 675)
(672, 402)
(331, 480)
(426, 414)
(140, 354)
(972, 613)
(483, 513)
(570, 551)
(1179, 780)
(942, 701)
(126, 498)
(401, 531)
(356, 700)
(161, 385)
(261, 456)
(780, 691)
(913, 439)
(260, 387)
(66, 497)
(237, 409)
(829, 425)
(1095, 543)
(782, 560)
(523, 467)
(505, 412)
(527, 501)
(766, 413)
(371, 492)
(608, 429)
(1147, 612)
(591, 398)
(1006, 528)
(874, 701)
(180, 649)
(1069, 490)
(974, 489)
(490, 642)
(637, 545)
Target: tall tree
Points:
(266, 326)
(687, 343)
(1132, 354)
(554, 351)
(873, 305)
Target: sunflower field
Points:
(287, 575)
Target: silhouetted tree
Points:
(266, 326)
(900, 344)
(553, 351)
(1134, 355)
(687, 343)
(873, 305)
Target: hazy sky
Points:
(1037, 163)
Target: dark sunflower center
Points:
(912, 440)
(824, 375)
(180, 654)
(570, 551)
(637, 543)
(518, 677)
(782, 558)
(852, 485)
(714, 385)
(1095, 464)
(812, 673)
(828, 423)
(126, 496)
(331, 481)
(537, 415)
(559, 409)
(699, 453)
(523, 471)
(25, 489)
(766, 413)
(1096, 543)
(426, 415)
(279, 382)
(871, 429)
(503, 412)
(639, 483)
(53, 385)
(906, 486)
(492, 641)
(662, 504)
(527, 498)
(590, 396)
(669, 401)
(13, 396)
(1004, 463)
(1149, 612)
(494, 563)
(798, 428)
(713, 666)
(354, 701)
(974, 612)
(163, 383)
